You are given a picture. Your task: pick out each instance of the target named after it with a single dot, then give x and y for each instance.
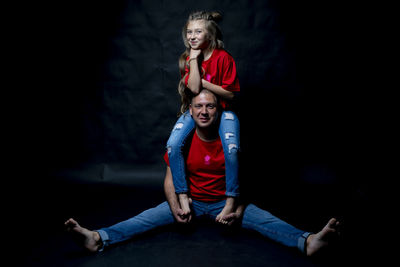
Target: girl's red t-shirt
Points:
(205, 170)
(219, 69)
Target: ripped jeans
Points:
(254, 218)
(229, 132)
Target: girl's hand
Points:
(194, 53)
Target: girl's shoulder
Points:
(221, 53)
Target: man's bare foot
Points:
(320, 240)
(184, 201)
(89, 239)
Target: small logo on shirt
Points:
(207, 160)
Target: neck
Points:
(207, 53)
(207, 134)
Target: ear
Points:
(190, 110)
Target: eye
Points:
(211, 106)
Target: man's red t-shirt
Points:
(219, 69)
(205, 170)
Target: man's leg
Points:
(145, 221)
(274, 228)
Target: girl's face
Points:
(197, 35)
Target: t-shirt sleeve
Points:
(230, 81)
(166, 159)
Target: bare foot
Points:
(225, 215)
(228, 209)
(89, 239)
(320, 240)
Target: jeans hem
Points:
(182, 191)
(104, 238)
(301, 243)
(232, 194)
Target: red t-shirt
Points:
(219, 69)
(205, 170)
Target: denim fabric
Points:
(229, 131)
(253, 219)
(274, 228)
(182, 129)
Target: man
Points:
(205, 166)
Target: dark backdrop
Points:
(108, 77)
(101, 88)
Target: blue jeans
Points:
(254, 218)
(229, 132)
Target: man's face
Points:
(204, 109)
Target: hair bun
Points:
(215, 16)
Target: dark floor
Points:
(112, 198)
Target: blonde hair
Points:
(214, 35)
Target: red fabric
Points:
(219, 69)
(205, 170)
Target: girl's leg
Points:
(274, 228)
(229, 131)
(145, 221)
(183, 127)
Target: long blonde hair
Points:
(214, 35)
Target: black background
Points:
(98, 85)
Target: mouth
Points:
(204, 120)
(193, 43)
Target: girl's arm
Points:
(218, 90)
(194, 81)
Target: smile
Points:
(204, 119)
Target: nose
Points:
(204, 111)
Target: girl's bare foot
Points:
(228, 209)
(89, 239)
(315, 242)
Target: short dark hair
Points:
(206, 91)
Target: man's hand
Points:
(173, 201)
(180, 216)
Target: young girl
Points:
(205, 64)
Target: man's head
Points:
(204, 109)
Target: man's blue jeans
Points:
(229, 132)
(254, 218)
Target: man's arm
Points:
(172, 199)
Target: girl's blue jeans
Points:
(254, 218)
(229, 132)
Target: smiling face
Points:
(197, 35)
(204, 109)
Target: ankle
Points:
(98, 241)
